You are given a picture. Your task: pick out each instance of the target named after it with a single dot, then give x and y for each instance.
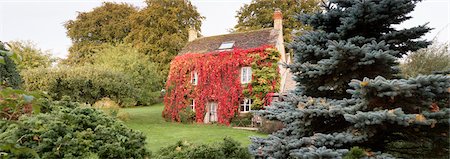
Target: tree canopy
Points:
(108, 23)
(259, 14)
(32, 57)
(160, 29)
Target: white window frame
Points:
(194, 78)
(246, 103)
(192, 105)
(246, 75)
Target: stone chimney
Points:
(192, 33)
(277, 19)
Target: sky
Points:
(41, 21)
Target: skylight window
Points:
(226, 45)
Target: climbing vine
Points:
(219, 81)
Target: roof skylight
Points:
(226, 45)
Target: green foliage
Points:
(259, 14)
(427, 60)
(352, 40)
(160, 29)
(355, 153)
(266, 77)
(75, 133)
(111, 108)
(15, 103)
(187, 115)
(143, 74)
(228, 148)
(32, 57)
(8, 72)
(355, 43)
(108, 23)
(242, 120)
(86, 84)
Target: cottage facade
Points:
(219, 77)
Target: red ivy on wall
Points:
(218, 81)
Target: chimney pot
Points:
(278, 19)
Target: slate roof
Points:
(242, 40)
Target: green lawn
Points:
(161, 133)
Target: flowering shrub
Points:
(219, 81)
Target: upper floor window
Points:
(246, 105)
(194, 78)
(246, 75)
(226, 45)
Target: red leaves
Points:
(218, 81)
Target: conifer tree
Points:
(353, 39)
(345, 102)
(9, 75)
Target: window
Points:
(246, 104)
(246, 75)
(192, 106)
(226, 45)
(194, 78)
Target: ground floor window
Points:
(192, 105)
(246, 105)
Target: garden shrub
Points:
(79, 132)
(187, 115)
(270, 126)
(227, 149)
(143, 74)
(110, 108)
(243, 120)
(85, 84)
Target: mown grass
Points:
(161, 133)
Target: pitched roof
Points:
(242, 40)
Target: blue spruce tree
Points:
(345, 102)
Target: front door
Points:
(212, 111)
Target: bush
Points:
(75, 133)
(187, 115)
(427, 60)
(355, 153)
(85, 84)
(270, 126)
(242, 120)
(143, 74)
(228, 148)
(111, 108)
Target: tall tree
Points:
(9, 75)
(160, 30)
(108, 23)
(259, 14)
(32, 57)
(355, 39)
(352, 40)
